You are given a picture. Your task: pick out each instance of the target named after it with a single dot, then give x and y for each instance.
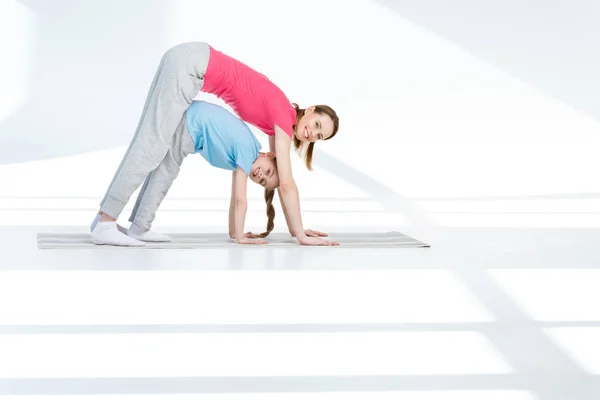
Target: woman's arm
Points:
(288, 190)
(272, 149)
(241, 205)
(308, 232)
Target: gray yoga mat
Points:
(48, 240)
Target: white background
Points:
(461, 115)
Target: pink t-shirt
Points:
(249, 93)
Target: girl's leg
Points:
(140, 196)
(158, 184)
(178, 80)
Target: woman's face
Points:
(314, 126)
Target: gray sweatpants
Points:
(177, 82)
(159, 181)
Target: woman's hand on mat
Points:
(252, 241)
(311, 233)
(316, 241)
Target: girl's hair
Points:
(269, 194)
(298, 144)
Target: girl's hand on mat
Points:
(252, 241)
(250, 235)
(311, 233)
(247, 235)
(316, 241)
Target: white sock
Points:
(97, 219)
(108, 233)
(146, 235)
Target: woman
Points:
(183, 72)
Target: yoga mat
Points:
(48, 240)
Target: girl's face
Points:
(264, 171)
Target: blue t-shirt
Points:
(223, 139)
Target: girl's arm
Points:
(241, 205)
(288, 190)
(232, 208)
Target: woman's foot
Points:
(105, 218)
(107, 233)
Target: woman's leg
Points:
(158, 184)
(178, 80)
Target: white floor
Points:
(489, 159)
(482, 314)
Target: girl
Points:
(225, 142)
(186, 69)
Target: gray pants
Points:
(159, 181)
(177, 82)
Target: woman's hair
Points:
(298, 144)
